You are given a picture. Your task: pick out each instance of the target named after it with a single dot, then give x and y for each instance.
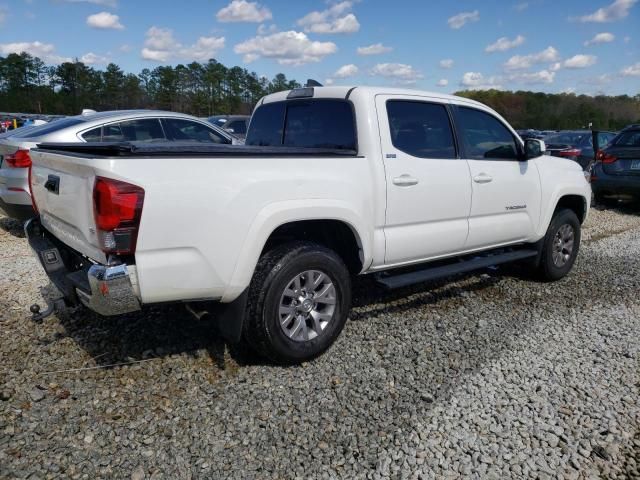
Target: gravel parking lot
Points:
(491, 376)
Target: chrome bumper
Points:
(107, 290)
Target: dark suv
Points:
(616, 172)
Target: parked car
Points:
(123, 125)
(576, 145)
(616, 172)
(333, 182)
(530, 133)
(234, 124)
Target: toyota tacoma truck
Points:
(333, 182)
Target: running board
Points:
(474, 263)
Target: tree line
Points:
(29, 85)
(563, 111)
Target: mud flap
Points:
(230, 318)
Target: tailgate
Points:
(62, 186)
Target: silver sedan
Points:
(114, 126)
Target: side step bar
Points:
(474, 263)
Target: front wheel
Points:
(560, 246)
(299, 299)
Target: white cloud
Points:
(346, 71)
(446, 63)
(554, 67)
(125, 48)
(44, 51)
(375, 49)
(604, 37)
(543, 76)
(616, 11)
(520, 7)
(335, 19)
(264, 30)
(459, 20)
(287, 48)
(92, 59)
(105, 20)
(400, 71)
(477, 81)
(503, 44)
(580, 61)
(104, 3)
(443, 82)
(631, 70)
(243, 11)
(521, 62)
(161, 46)
(329, 81)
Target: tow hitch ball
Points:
(52, 307)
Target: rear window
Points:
(49, 128)
(566, 138)
(317, 123)
(628, 139)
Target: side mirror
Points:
(534, 148)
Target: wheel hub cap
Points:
(307, 305)
(563, 245)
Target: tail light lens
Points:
(605, 157)
(117, 210)
(573, 152)
(19, 159)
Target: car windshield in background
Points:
(49, 128)
(566, 138)
(316, 123)
(628, 139)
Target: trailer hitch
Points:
(53, 306)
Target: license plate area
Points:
(635, 164)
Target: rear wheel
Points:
(299, 299)
(560, 246)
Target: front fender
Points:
(277, 214)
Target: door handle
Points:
(405, 181)
(483, 178)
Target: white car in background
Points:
(112, 126)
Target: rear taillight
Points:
(19, 159)
(572, 152)
(605, 157)
(117, 209)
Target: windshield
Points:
(49, 128)
(568, 138)
(313, 123)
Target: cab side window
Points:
(421, 129)
(485, 137)
(143, 130)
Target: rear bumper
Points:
(17, 211)
(604, 184)
(107, 290)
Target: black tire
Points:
(273, 274)
(550, 269)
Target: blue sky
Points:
(582, 46)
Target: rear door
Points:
(506, 191)
(428, 185)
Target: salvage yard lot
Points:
(490, 376)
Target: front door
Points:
(428, 185)
(506, 189)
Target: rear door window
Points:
(142, 130)
(314, 123)
(112, 133)
(485, 137)
(421, 129)
(94, 135)
(184, 130)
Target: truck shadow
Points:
(11, 226)
(163, 331)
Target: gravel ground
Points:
(492, 376)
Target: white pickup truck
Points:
(333, 182)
